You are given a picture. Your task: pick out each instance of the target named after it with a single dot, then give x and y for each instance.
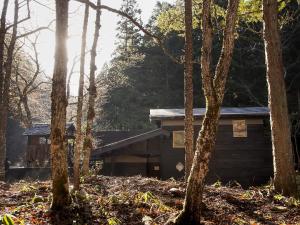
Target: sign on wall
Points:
(239, 128)
(178, 139)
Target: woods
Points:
(209, 75)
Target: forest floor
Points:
(137, 200)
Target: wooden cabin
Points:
(243, 149)
(37, 153)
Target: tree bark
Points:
(78, 145)
(2, 44)
(5, 87)
(284, 173)
(188, 89)
(214, 93)
(88, 140)
(28, 119)
(2, 118)
(60, 184)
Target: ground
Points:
(137, 200)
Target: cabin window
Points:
(178, 139)
(43, 140)
(239, 128)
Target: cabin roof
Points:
(127, 141)
(162, 114)
(105, 137)
(43, 129)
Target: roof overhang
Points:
(43, 130)
(226, 112)
(128, 141)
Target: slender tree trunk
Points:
(2, 44)
(78, 145)
(5, 86)
(60, 184)
(28, 119)
(88, 140)
(214, 93)
(188, 89)
(284, 173)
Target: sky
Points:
(42, 14)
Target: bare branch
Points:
(44, 5)
(35, 30)
(156, 39)
(22, 20)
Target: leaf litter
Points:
(144, 201)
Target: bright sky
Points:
(42, 15)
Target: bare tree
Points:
(188, 89)
(60, 183)
(5, 77)
(284, 173)
(8, 42)
(214, 89)
(88, 140)
(78, 145)
(25, 81)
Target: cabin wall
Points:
(247, 160)
(141, 158)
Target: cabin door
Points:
(153, 169)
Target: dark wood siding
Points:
(147, 151)
(247, 160)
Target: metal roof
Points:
(43, 129)
(161, 114)
(127, 141)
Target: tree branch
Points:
(35, 30)
(156, 39)
(22, 20)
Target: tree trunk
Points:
(78, 145)
(2, 44)
(28, 118)
(88, 140)
(5, 86)
(284, 173)
(191, 213)
(188, 89)
(60, 184)
(214, 93)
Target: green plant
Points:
(291, 201)
(217, 184)
(37, 198)
(151, 200)
(113, 221)
(278, 197)
(7, 219)
(248, 195)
